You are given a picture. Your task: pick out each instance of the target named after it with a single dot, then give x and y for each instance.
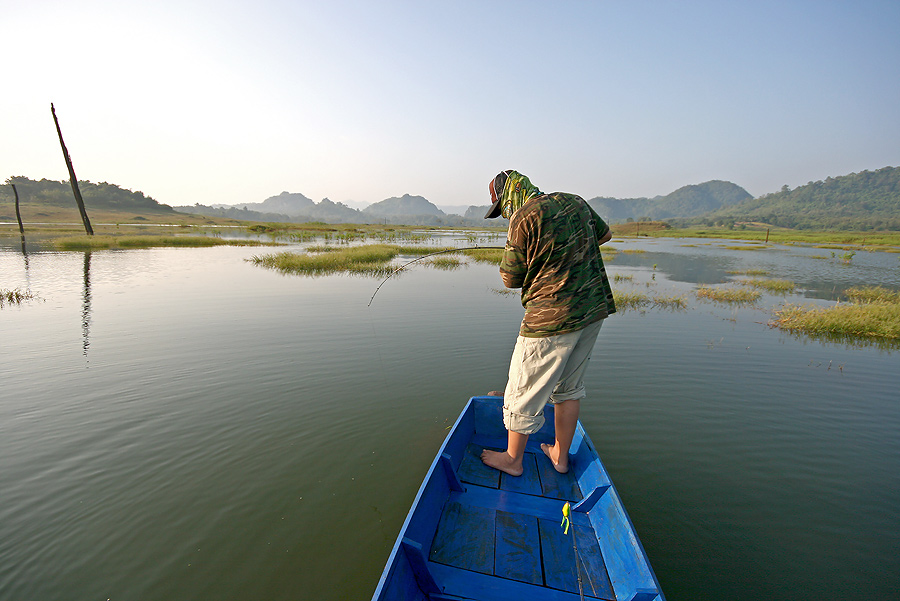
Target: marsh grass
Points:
(745, 247)
(732, 296)
(368, 259)
(873, 294)
(640, 301)
(15, 297)
(756, 272)
(671, 302)
(619, 277)
(485, 255)
(446, 263)
(870, 240)
(873, 313)
(148, 241)
(505, 291)
(869, 320)
(771, 285)
(630, 300)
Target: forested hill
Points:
(688, 201)
(859, 201)
(103, 196)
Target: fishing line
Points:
(440, 252)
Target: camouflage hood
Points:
(509, 191)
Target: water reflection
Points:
(86, 305)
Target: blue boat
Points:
(476, 533)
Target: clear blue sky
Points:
(230, 101)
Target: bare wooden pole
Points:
(74, 181)
(18, 214)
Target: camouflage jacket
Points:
(553, 254)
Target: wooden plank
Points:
(465, 538)
(558, 557)
(518, 553)
(463, 584)
(594, 576)
(528, 483)
(554, 484)
(560, 570)
(474, 471)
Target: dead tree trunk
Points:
(18, 214)
(72, 178)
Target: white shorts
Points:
(542, 370)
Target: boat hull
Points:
(476, 533)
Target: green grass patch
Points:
(745, 247)
(870, 320)
(771, 285)
(672, 303)
(730, 296)
(149, 241)
(630, 300)
(485, 255)
(871, 239)
(873, 294)
(368, 259)
(446, 263)
(638, 300)
(622, 278)
(756, 272)
(873, 314)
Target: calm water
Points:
(179, 424)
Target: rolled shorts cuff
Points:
(569, 395)
(522, 424)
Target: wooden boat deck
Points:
(510, 527)
(475, 533)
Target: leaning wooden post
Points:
(18, 214)
(72, 178)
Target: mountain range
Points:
(858, 201)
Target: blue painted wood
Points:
(528, 483)
(419, 565)
(465, 538)
(472, 585)
(558, 557)
(560, 569)
(452, 480)
(474, 471)
(554, 484)
(518, 551)
(477, 524)
(626, 563)
(587, 503)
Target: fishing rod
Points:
(440, 252)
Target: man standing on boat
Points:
(553, 254)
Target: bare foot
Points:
(549, 451)
(501, 460)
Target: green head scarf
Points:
(509, 191)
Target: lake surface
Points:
(181, 424)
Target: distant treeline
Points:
(869, 200)
(104, 195)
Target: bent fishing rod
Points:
(440, 252)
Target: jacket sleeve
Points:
(514, 265)
(601, 228)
